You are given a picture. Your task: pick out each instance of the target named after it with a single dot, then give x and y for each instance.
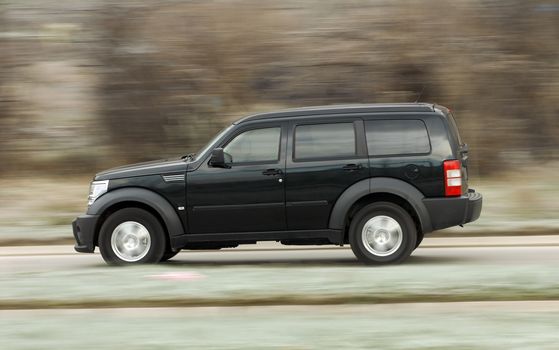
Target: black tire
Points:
(169, 254)
(146, 219)
(394, 212)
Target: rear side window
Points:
(324, 141)
(395, 137)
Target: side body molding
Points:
(150, 198)
(379, 185)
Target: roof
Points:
(341, 109)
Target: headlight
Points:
(96, 189)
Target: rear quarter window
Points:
(397, 137)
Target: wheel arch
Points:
(380, 189)
(133, 197)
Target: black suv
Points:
(376, 176)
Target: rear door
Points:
(324, 159)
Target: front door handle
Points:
(352, 167)
(270, 172)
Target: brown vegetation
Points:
(163, 76)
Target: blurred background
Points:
(90, 84)
(86, 85)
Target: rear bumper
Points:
(84, 233)
(453, 211)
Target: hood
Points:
(156, 167)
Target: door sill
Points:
(334, 236)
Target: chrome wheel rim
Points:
(382, 235)
(130, 241)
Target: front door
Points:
(325, 158)
(247, 197)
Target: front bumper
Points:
(453, 211)
(84, 233)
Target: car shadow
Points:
(307, 262)
(266, 262)
(435, 260)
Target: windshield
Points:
(212, 142)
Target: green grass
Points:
(390, 327)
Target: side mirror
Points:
(220, 159)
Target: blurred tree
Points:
(169, 74)
(5, 100)
(131, 112)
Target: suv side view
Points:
(378, 177)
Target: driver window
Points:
(258, 145)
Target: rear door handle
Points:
(352, 167)
(270, 172)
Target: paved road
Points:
(434, 251)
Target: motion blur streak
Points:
(90, 84)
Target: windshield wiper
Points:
(188, 156)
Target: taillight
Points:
(452, 178)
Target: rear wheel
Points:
(131, 236)
(382, 232)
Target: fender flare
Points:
(135, 194)
(379, 185)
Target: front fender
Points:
(379, 185)
(147, 197)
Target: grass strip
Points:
(267, 301)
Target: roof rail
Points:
(340, 109)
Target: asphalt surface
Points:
(520, 250)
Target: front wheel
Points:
(382, 232)
(169, 254)
(131, 236)
(419, 239)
